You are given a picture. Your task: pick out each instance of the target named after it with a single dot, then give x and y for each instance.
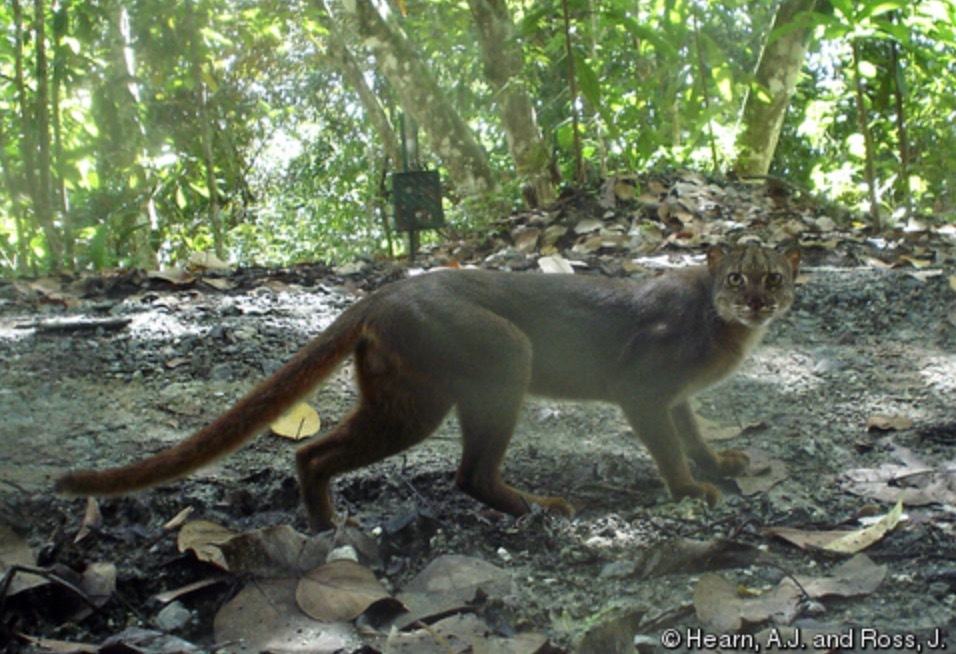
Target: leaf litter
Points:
(872, 334)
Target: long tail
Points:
(306, 370)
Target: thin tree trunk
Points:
(25, 230)
(448, 135)
(60, 21)
(22, 254)
(762, 118)
(863, 124)
(504, 63)
(703, 74)
(206, 141)
(573, 89)
(901, 131)
(43, 198)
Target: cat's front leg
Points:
(654, 425)
(726, 463)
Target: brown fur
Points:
(479, 341)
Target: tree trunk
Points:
(345, 63)
(504, 63)
(862, 116)
(43, 198)
(25, 230)
(448, 135)
(60, 22)
(206, 133)
(780, 63)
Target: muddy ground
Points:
(859, 342)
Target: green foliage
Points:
(152, 115)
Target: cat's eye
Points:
(774, 279)
(735, 279)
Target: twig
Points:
(437, 636)
(54, 326)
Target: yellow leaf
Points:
(882, 422)
(857, 541)
(952, 282)
(301, 421)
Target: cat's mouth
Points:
(754, 316)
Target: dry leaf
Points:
(449, 583)
(175, 276)
(147, 641)
(555, 264)
(589, 245)
(952, 282)
(178, 519)
(204, 538)
(923, 275)
(552, 233)
(338, 591)
(464, 633)
(858, 576)
(174, 594)
(721, 608)
(689, 556)
(882, 422)
(99, 582)
(59, 646)
(857, 541)
(15, 551)
(263, 616)
(588, 225)
(805, 539)
(762, 474)
(916, 263)
(913, 482)
(91, 518)
(301, 421)
(220, 283)
(206, 261)
(614, 635)
(526, 240)
(275, 552)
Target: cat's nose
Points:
(756, 303)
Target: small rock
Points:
(174, 617)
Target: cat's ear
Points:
(793, 257)
(715, 254)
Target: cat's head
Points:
(752, 284)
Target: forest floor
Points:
(848, 406)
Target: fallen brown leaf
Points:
(883, 422)
(858, 576)
(264, 616)
(721, 608)
(339, 591)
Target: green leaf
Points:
(587, 79)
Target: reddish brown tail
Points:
(306, 370)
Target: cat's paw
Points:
(732, 463)
(707, 492)
(557, 505)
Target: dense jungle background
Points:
(135, 133)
